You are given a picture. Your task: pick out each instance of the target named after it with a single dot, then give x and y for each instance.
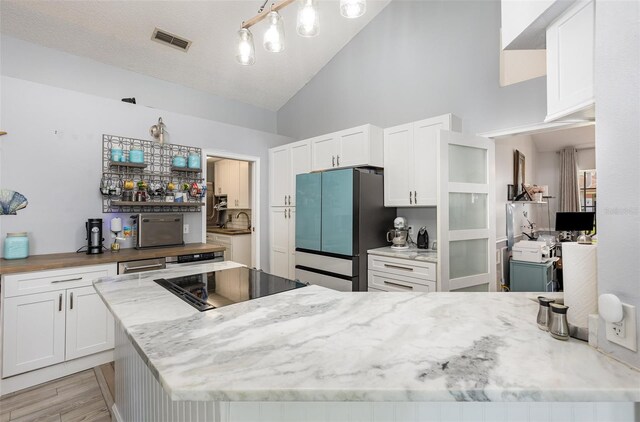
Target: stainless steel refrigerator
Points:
(340, 214)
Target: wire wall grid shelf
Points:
(157, 171)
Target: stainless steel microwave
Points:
(156, 230)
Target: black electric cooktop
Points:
(215, 289)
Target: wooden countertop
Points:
(73, 259)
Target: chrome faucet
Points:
(248, 218)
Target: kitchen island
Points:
(309, 345)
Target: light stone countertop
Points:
(316, 344)
(413, 253)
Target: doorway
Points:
(232, 214)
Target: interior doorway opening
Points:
(232, 206)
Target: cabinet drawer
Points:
(50, 280)
(219, 238)
(398, 283)
(423, 270)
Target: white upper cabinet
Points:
(359, 146)
(570, 52)
(410, 161)
(231, 178)
(323, 152)
(285, 163)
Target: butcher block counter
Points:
(73, 259)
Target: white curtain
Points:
(569, 191)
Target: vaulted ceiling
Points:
(119, 33)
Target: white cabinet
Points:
(400, 275)
(359, 146)
(410, 161)
(237, 247)
(53, 316)
(283, 225)
(33, 332)
(570, 62)
(231, 178)
(285, 163)
(89, 326)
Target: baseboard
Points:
(39, 376)
(115, 415)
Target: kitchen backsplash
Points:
(418, 217)
(242, 222)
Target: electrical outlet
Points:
(624, 332)
(411, 230)
(498, 256)
(185, 229)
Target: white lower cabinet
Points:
(89, 325)
(33, 332)
(43, 327)
(238, 246)
(390, 274)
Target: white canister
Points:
(116, 224)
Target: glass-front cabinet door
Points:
(466, 213)
(337, 212)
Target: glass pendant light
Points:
(274, 37)
(308, 20)
(353, 8)
(246, 54)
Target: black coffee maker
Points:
(94, 236)
(423, 238)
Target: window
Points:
(588, 183)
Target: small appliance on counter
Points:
(94, 236)
(423, 238)
(156, 230)
(530, 251)
(399, 235)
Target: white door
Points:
(323, 152)
(353, 147)
(33, 332)
(90, 325)
(398, 166)
(279, 169)
(300, 164)
(466, 213)
(243, 185)
(291, 214)
(425, 158)
(279, 242)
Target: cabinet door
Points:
(398, 166)
(221, 177)
(233, 184)
(279, 241)
(33, 332)
(570, 51)
(292, 243)
(90, 325)
(243, 185)
(300, 164)
(353, 147)
(323, 152)
(425, 159)
(279, 176)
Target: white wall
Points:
(53, 152)
(25, 60)
(414, 60)
(617, 94)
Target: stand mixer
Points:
(399, 235)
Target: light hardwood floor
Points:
(85, 396)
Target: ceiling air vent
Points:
(169, 39)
